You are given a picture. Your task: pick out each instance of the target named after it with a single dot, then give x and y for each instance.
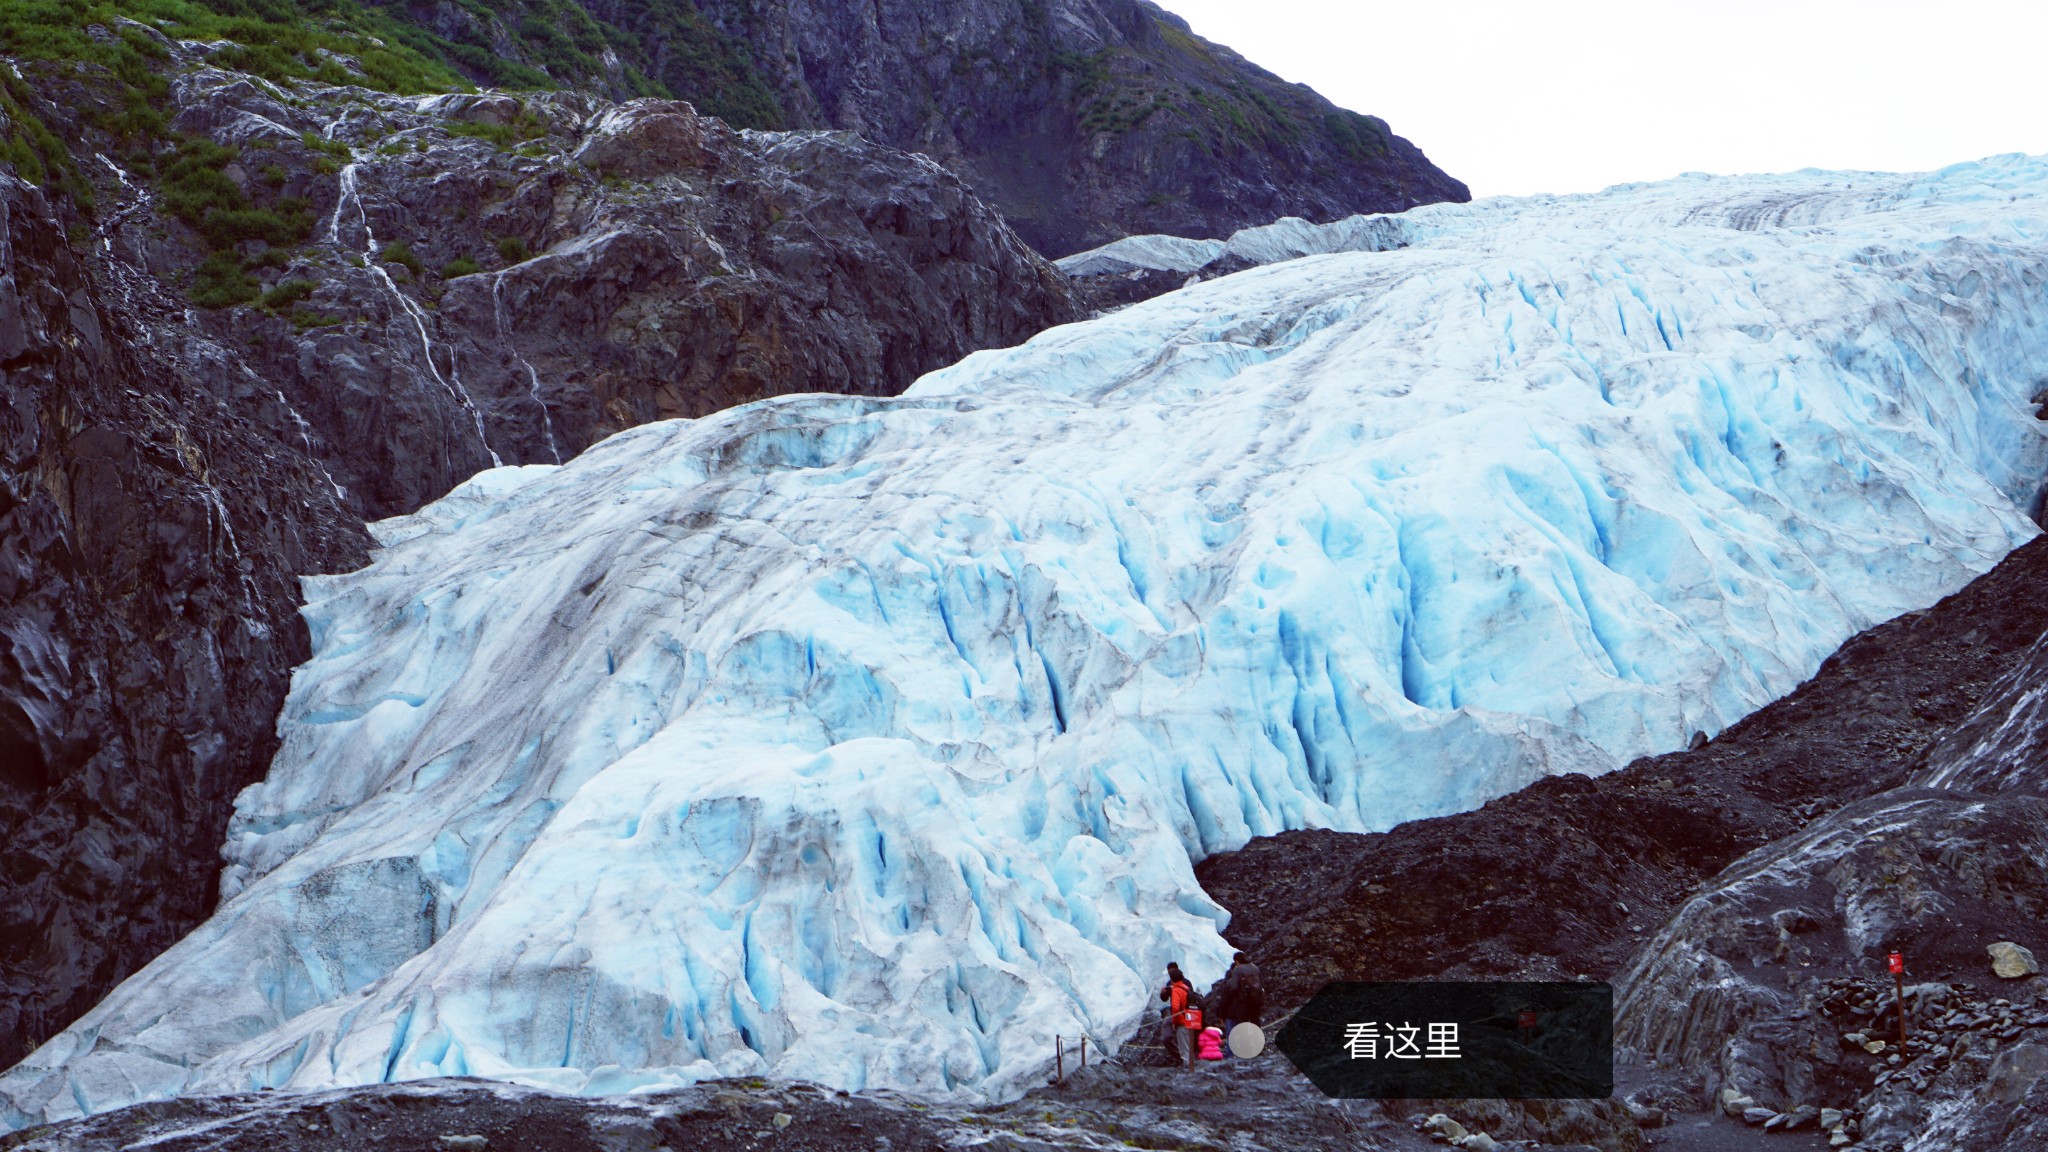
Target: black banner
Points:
(1456, 1041)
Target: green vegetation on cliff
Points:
(655, 48)
(335, 41)
(101, 67)
(1116, 90)
(31, 148)
(618, 47)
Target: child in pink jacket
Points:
(1211, 1042)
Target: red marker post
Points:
(1897, 961)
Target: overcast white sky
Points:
(1516, 96)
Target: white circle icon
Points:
(1247, 1040)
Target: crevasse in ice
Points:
(873, 741)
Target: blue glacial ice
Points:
(873, 741)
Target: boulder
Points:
(1446, 1127)
(494, 108)
(2011, 961)
(646, 138)
(2015, 1072)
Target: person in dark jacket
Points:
(1240, 997)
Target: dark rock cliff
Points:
(152, 525)
(1082, 120)
(495, 279)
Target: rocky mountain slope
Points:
(1772, 978)
(153, 523)
(274, 285)
(473, 280)
(1082, 120)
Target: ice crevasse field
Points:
(873, 742)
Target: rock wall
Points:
(1082, 120)
(496, 279)
(1773, 976)
(152, 525)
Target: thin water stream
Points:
(547, 424)
(351, 194)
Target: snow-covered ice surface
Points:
(873, 741)
(1285, 239)
(1143, 253)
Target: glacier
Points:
(873, 742)
(1288, 238)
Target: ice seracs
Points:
(872, 741)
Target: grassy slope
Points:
(116, 50)
(1222, 98)
(534, 44)
(668, 50)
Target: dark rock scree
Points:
(1255, 1108)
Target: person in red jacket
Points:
(1183, 1018)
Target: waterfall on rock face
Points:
(306, 438)
(373, 259)
(547, 424)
